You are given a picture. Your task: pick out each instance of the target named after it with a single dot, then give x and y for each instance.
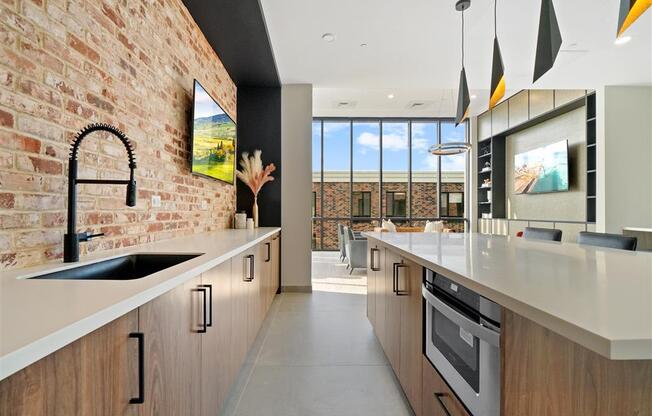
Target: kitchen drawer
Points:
(433, 386)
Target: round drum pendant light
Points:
(449, 149)
(497, 89)
(463, 101)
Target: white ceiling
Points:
(413, 50)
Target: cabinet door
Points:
(372, 266)
(438, 399)
(381, 296)
(254, 316)
(392, 312)
(239, 308)
(173, 351)
(276, 265)
(95, 375)
(217, 372)
(410, 278)
(265, 274)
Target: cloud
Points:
(369, 141)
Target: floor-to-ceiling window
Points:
(365, 170)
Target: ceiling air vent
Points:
(418, 105)
(345, 104)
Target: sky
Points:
(366, 146)
(204, 105)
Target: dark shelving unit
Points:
(492, 150)
(591, 159)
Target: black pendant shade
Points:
(497, 90)
(463, 99)
(630, 10)
(548, 41)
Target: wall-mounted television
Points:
(541, 170)
(213, 135)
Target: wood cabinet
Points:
(409, 278)
(379, 295)
(372, 268)
(95, 375)
(171, 325)
(438, 398)
(545, 374)
(195, 339)
(394, 307)
(218, 371)
(392, 341)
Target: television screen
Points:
(213, 138)
(544, 169)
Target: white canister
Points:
(240, 220)
(250, 223)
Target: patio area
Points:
(331, 275)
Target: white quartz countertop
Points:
(599, 298)
(37, 317)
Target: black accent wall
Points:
(236, 29)
(259, 108)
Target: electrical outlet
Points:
(204, 204)
(156, 201)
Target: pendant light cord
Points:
(462, 38)
(495, 18)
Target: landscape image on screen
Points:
(213, 139)
(544, 169)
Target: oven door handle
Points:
(486, 334)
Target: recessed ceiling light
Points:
(328, 37)
(363, 45)
(622, 40)
(473, 97)
(390, 96)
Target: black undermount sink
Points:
(129, 267)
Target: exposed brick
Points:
(31, 239)
(81, 47)
(6, 119)
(39, 202)
(7, 200)
(66, 63)
(18, 220)
(39, 165)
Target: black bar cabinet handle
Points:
(373, 261)
(398, 291)
(141, 368)
(269, 252)
(438, 396)
(204, 324)
(394, 277)
(210, 304)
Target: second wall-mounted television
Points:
(542, 170)
(214, 138)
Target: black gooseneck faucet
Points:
(71, 239)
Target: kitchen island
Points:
(576, 330)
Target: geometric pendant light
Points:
(630, 10)
(463, 98)
(548, 41)
(497, 88)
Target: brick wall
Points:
(337, 204)
(66, 63)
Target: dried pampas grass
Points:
(253, 174)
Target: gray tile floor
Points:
(317, 355)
